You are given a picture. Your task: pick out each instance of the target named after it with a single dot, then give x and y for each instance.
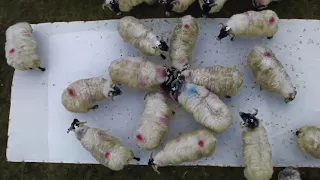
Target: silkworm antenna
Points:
(257, 153)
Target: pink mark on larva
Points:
(158, 162)
(164, 120)
(178, 140)
(272, 20)
(106, 155)
(182, 61)
(246, 13)
(160, 71)
(78, 136)
(267, 54)
(187, 26)
(142, 83)
(139, 137)
(200, 143)
(12, 51)
(72, 92)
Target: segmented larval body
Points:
(270, 73)
(289, 173)
(139, 36)
(137, 73)
(215, 6)
(81, 95)
(105, 148)
(254, 23)
(223, 81)
(187, 147)
(206, 107)
(20, 47)
(178, 6)
(309, 140)
(262, 4)
(153, 122)
(183, 40)
(257, 154)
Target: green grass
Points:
(37, 11)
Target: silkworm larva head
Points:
(224, 32)
(113, 5)
(291, 97)
(168, 6)
(78, 127)
(206, 7)
(172, 82)
(18, 28)
(116, 91)
(162, 45)
(260, 6)
(74, 123)
(249, 120)
(111, 90)
(152, 164)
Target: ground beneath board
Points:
(12, 11)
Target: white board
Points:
(71, 51)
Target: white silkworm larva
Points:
(20, 47)
(250, 24)
(211, 6)
(206, 107)
(289, 173)
(270, 73)
(262, 4)
(81, 95)
(257, 152)
(178, 6)
(141, 37)
(105, 148)
(183, 40)
(119, 6)
(309, 140)
(154, 121)
(223, 81)
(137, 73)
(185, 148)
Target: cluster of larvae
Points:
(177, 6)
(197, 90)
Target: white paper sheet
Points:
(75, 50)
